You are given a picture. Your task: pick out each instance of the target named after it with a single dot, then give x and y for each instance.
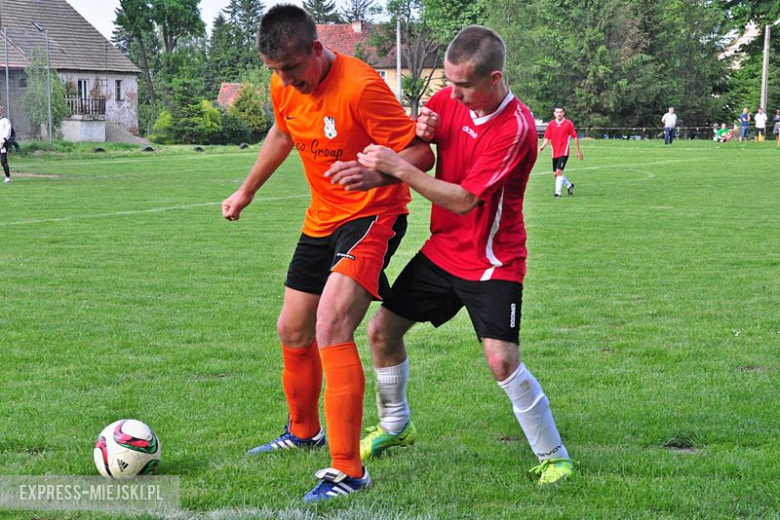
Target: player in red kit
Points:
(476, 255)
(559, 130)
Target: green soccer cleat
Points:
(553, 470)
(378, 440)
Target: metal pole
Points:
(398, 54)
(765, 69)
(7, 84)
(48, 82)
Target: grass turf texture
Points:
(650, 318)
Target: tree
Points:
(361, 10)
(134, 24)
(615, 62)
(745, 82)
(233, 48)
(223, 55)
(419, 47)
(177, 19)
(244, 17)
(322, 11)
(35, 100)
(447, 17)
(187, 113)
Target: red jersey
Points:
(559, 134)
(352, 108)
(491, 157)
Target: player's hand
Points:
(232, 206)
(381, 158)
(353, 176)
(579, 155)
(427, 124)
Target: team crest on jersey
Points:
(330, 127)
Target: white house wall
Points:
(102, 85)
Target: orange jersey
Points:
(352, 108)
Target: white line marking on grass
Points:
(626, 166)
(136, 212)
(647, 177)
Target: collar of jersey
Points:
(484, 119)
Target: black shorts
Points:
(760, 131)
(426, 292)
(559, 163)
(360, 249)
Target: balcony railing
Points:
(85, 106)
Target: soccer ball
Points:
(127, 448)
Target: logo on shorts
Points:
(346, 255)
(330, 127)
(512, 315)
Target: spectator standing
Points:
(670, 125)
(744, 124)
(760, 120)
(5, 136)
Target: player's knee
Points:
(293, 336)
(333, 329)
(502, 364)
(378, 333)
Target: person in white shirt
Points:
(670, 125)
(760, 120)
(5, 136)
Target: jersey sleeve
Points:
(276, 95)
(383, 118)
(572, 131)
(499, 160)
(548, 131)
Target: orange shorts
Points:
(360, 249)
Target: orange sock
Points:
(302, 382)
(344, 388)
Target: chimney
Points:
(357, 26)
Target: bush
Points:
(162, 131)
(248, 106)
(234, 130)
(210, 125)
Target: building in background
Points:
(352, 40)
(102, 84)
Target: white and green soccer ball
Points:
(127, 448)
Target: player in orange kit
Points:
(329, 107)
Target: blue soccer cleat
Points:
(288, 441)
(334, 483)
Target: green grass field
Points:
(651, 318)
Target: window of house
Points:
(22, 82)
(382, 74)
(118, 90)
(83, 85)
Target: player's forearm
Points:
(275, 149)
(419, 155)
(447, 195)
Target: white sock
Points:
(559, 184)
(391, 397)
(532, 410)
(566, 181)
